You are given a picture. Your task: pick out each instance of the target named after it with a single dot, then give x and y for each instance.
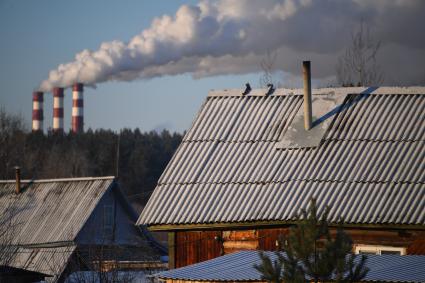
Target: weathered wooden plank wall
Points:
(197, 246)
(193, 247)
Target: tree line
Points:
(138, 158)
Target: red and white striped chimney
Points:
(58, 109)
(77, 108)
(37, 111)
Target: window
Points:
(379, 250)
(108, 219)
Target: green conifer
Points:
(312, 254)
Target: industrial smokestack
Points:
(37, 111)
(58, 109)
(307, 96)
(77, 108)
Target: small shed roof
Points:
(49, 211)
(51, 261)
(39, 226)
(241, 161)
(240, 267)
(42, 221)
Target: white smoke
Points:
(232, 36)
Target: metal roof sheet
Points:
(230, 169)
(240, 267)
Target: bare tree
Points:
(12, 140)
(358, 65)
(76, 165)
(93, 264)
(9, 228)
(97, 261)
(267, 67)
(7, 234)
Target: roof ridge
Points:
(276, 141)
(319, 91)
(271, 182)
(60, 180)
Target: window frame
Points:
(378, 249)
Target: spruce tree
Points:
(312, 254)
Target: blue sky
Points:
(39, 35)
(220, 42)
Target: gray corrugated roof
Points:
(51, 261)
(43, 220)
(229, 167)
(239, 267)
(52, 210)
(396, 203)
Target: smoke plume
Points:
(232, 37)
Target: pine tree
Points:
(312, 254)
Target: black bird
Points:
(271, 89)
(247, 89)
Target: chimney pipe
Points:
(58, 109)
(77, 108)
(307, 95)
(37, 111)
(18, 179)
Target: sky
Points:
(150, 64)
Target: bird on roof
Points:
(270, 90)
(247, 89)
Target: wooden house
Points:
(247, 166)
(55, 227)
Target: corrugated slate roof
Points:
(396, 203)
(40, 224)
(42, 221)
(229, 167)
(240, 267)
(50, 261)
(48, 211)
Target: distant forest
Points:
(142, 155)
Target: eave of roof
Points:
(275, 224)
(37, 181)
(50, 260)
